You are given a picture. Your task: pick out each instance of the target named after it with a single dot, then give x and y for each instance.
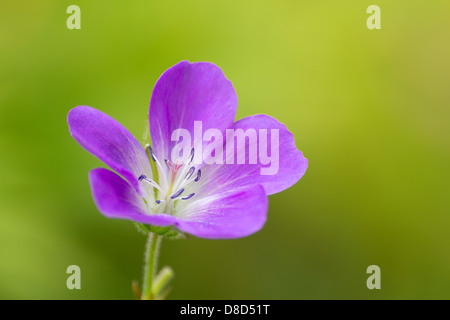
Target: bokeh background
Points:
(369, 109)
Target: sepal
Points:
(166, 232)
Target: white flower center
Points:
(176, 181)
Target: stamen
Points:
(190, 173)
(191, 156)
(188, 197)
(168, 164)
(177, 194)
(142, 177)
(158, 201)
(162, 173)
(150, 150)
(199, 175)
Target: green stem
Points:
(151, 261)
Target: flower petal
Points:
(116, 198)
(234, 214)
(108, 140)
(185, 93)
(291, 163)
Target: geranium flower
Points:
(150, 187)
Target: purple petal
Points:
(108, 140)
(233, 214)
(116, 198)
(291, 167)
(185, 93)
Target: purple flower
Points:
(150, 187)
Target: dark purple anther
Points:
(150, 151)
(189, 174)
(167, 164)
(177, 194)
(199, 175)
(188, 197)
(191, 157)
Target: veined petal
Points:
(116, 198)
(233, 214)
(285, 172)
(185, 93)
(108, 140)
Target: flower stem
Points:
(151, 261)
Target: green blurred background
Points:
(369, 109)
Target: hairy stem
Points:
(151, 261)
